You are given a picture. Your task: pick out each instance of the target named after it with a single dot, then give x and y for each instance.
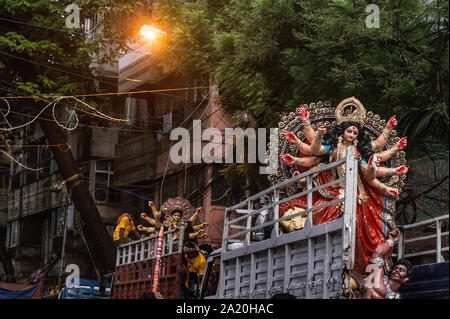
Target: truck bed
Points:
(307, 264)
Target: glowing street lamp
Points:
(150, 32)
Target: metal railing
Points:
(438, 221)
(145, 249)
(349, 201)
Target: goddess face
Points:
(350, 134)
(176, 216)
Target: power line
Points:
(55, 68)
(105, 94)
(42, 26)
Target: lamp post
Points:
(151, 33)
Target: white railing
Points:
(438, 221)
(245, 208)
(145, 249)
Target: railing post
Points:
(249, 222)
(438, 242)
(401, 245)
(351, 175)
(180, 240)
(276, 211)
(309, 197)
(226, 228)
(119, 250)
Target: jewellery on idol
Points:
(390, 242)
(306, 123)
(350, 110)
(386, 133)
(379, 262)
(375, 145)
(394, 150)
(318, 138)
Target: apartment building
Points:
(142, 163)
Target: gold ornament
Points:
(350, 110)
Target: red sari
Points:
(370, 215)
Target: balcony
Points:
(93, 142)
(138, 67)
(135, 160)
(34, 198)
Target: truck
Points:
(315, 262)
(310, 263)
(135, 266)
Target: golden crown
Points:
(350, 110)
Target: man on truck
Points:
(125, 227)
(195, 268)
(382, 286)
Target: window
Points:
(12, 234)
(220, 189)
(137, 112)
(45, 158)
(170, 188)
(31, 231)
(58, 221)
(104, 176)
(211, 281)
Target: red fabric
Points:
(369, 218)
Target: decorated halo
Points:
(322, 114)
(177, 203)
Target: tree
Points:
(272, 55)
(40, 55)
(268, 56)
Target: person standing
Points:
(125, 227)
(387, 286)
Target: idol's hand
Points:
(371, 161)
(392, 191)
(144, 215)
(391, 123)
(290, 137)
(198, 210)
(296, 173)
(157, 214)
(140, 228)
(394, 235)
(288, 159)
(401, 170)
(304, 113)
(322, 130)
(402, 143)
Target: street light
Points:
(150, 32)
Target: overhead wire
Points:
(55, 68)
